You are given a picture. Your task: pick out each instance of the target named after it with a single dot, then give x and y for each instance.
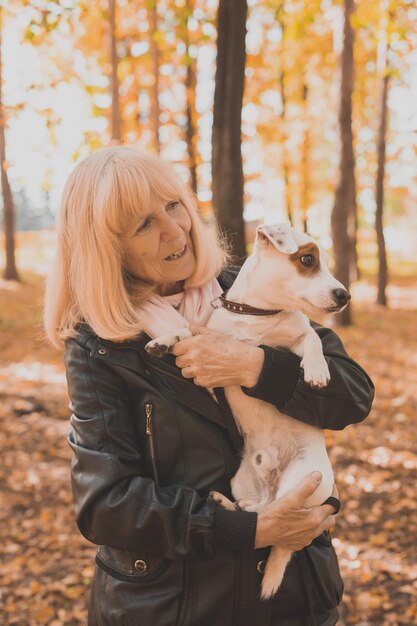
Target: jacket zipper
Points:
(148, 412)
(186, 596)
(211, 426)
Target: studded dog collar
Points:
(243, 309)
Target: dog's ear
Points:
(280, 235)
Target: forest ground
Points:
(46, 566)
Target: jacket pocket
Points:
(138, 589)
(130, 566)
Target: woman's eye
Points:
(173, 205)
(144, 226)
(307, 259)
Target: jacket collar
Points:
(133, 357)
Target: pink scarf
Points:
(159, 317)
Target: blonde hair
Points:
(88, 283)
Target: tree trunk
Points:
(10, 270)
(227, 170)
(353, 232)
(116, 123)
(379, 193)
(343, 207)
(155, 54)
(190, 87)
(283, 134)
(305, 150)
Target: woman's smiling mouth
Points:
(177, 255)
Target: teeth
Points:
(177, 254)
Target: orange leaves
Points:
(367, 600)
(46, 567)
(375, 466)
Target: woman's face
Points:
(158, 248)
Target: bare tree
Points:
(305, 169)
(227, 170)
(279, 16)
(156, 55)
(10, 270)
(116, 122)
(379, 227)
(384, 68)
(344, 203)
(190, 87)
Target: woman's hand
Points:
(215, 359)
(287, 522)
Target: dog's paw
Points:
(163, 345)
(219, 498)
(316, 375)
(247, 504)
(156, 349)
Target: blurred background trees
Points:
(272, 110)
(10, 271)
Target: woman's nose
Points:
(170, 229)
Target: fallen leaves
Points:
(46, 566)
(375, 464)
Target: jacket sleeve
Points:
(116, 503)
(346, 400)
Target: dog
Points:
(285, 279)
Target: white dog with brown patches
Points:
(285, 277)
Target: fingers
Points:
(180, 348)
(321, 521)
(182, 361)
(188, 372)
(306, 487)
(328, 524)
(328, 509)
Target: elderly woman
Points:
(150, 440)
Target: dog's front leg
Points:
(164, 344)
(316, 371)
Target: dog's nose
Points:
(341, 296)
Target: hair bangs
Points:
(165, 185)
(131, 183)
(124, 193)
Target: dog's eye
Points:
(307, 259)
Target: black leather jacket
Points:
(148, 447)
